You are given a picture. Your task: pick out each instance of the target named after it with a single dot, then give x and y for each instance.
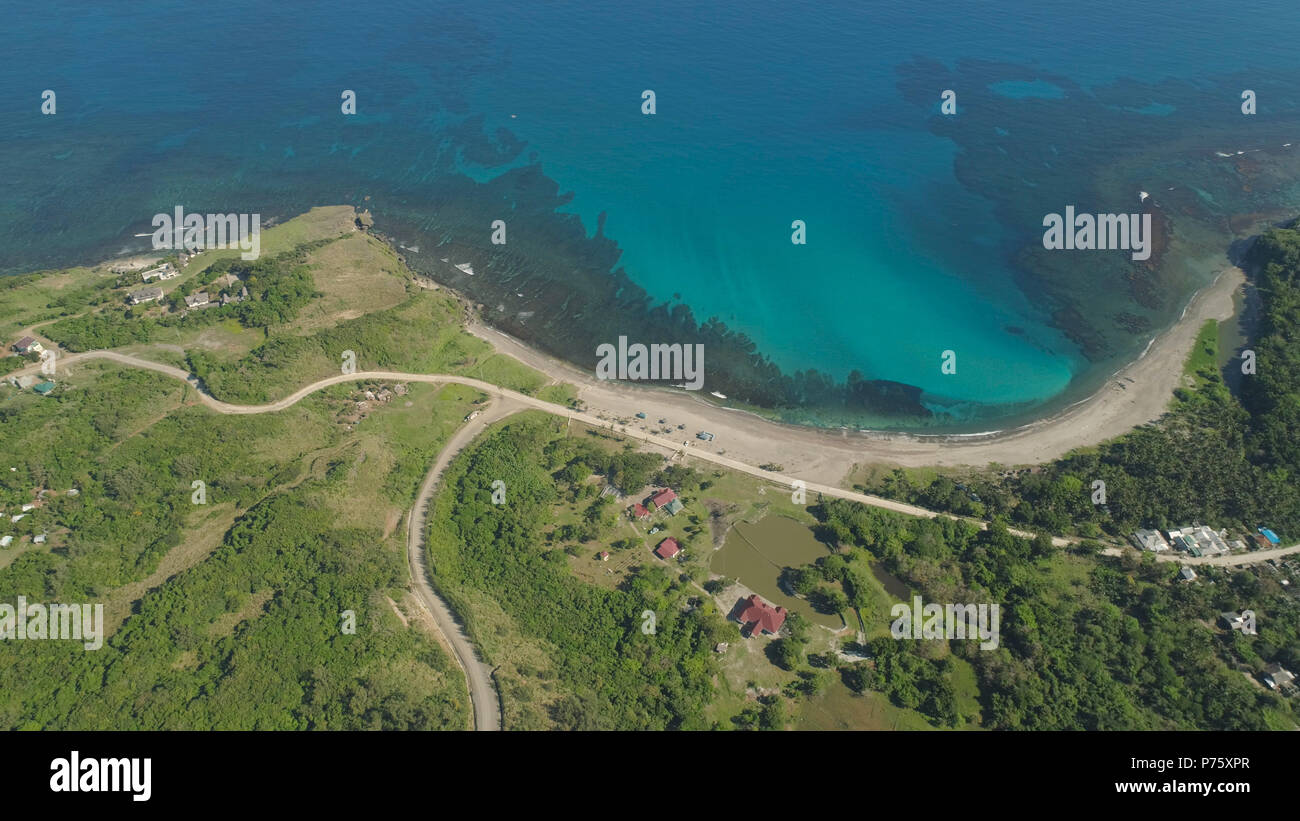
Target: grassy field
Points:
(364, 301)
(1204, 356)
(222, 601)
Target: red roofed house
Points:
(669, 548)
(663, 497)
(757, 615)
(639, 511)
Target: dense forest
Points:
(1213, 458)
(1096, 644)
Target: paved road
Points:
(478, 676)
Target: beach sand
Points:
(828, 456)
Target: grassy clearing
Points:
(357, 275)
(561, 394)
(1203, 360)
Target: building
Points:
(1187, 574)
(1276, 676)
(1260, 541)
(663, 497)
(28, 344)
(6, 541)
(44, 388)
(1199, 540)
(668, 548)
(758, 616)
(164, 271)
(1270, 535)
(1150, 540)
(1211, 542)
(231, 299)
(145, 295)
(38, 539)
(1236, 621)
(603, 555)
(674, 507)
(196, 300)
(638, 511)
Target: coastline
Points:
(1136, 394)
(827, 456)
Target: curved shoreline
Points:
(1134, 395)
(511, 402)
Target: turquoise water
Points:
(823, 113)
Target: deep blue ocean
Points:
(766, 113)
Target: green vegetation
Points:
(1085, 644)
(562, 394)
(278, 288)
(247, 633)
(611, 673)
(1211, 459)
(227, 613)
(1202, 363)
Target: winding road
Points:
(487, 706)
(522, 401)
(478, 676)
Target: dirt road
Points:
(1137, 394)
(521, 401)
(478, 676)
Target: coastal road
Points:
(524, 401)
(521, 400)
(478, 676)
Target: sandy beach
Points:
(828, 456)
